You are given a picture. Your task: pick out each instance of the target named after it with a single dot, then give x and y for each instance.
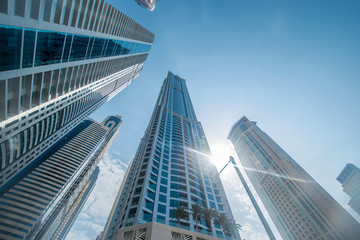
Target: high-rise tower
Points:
(59, 61)
(350, 181)
(297, 204)
(41, 203)
(148, 4)
(171, 168)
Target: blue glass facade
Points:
(56, 47)
(173, 168)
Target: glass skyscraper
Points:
(350, 181)
(298, 205)
(42, 202)
(148, 4)
(59, 61)
(171, 168)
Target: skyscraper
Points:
(41, 202)
(59, 61)
(65, 226)
(297, 204)
(350, 181)
(171, 168)
(148, 4)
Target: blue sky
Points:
(291, 66)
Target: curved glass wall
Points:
(52, 47)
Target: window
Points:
(174, 203)
(163, 189)
(28, 48)
(49, 47)
(152, 186)
(164, 174)
(161, 208)
(210, 196)
(162, 198)
(147, 216)
(151, 195)
(174, 194)
(10, 47)
(132, 213)
(163, 181)
(149, 205)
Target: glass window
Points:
(161, 208)
(164, 174)
(109, 48)
(151, 195)
(174, 203)
(97, 47)
(154, 170)
(147, 216)
(153, 177)
(163, 181)
(178, 103)
(49, 46)
(149, 205)
(152, 186)
(78, 48)
(28, 49)
(163, 189)
(67, 47)
(212, 205)
(174, 194)
(161, 219)
(10, 47)
(162, 198)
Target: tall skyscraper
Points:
(350, 181)
(40, 204)
(171, 168)
(297, 204)
(59, 61)
(148, 4)
(65, 226)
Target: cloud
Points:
(95, 212)
(249, 233)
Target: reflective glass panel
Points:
(49, 47)
(28, 49)
(78, 49)
(10, 47)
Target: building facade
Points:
(59, 61)
(171, 168)
(297, 204)
(148, 4)
(75, 209)
(42, 202)
(350, 181)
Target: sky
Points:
(291, 66)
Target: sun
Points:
(220, 152)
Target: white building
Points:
(59, 61)
(171, 168)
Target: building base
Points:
(158, 231)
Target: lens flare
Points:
(276, 175)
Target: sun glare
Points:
(220, 152)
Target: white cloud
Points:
(249, 233)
